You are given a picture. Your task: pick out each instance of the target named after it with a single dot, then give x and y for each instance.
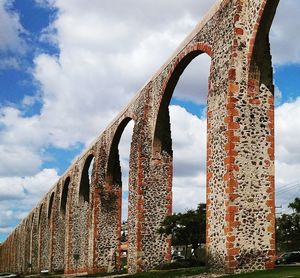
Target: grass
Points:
(169, 273)
(279, 272)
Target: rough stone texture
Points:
(79, 230)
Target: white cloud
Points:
(18, 161)
(193, 84)
(10, 29)
(104, 60)
(189, 156)
(189, 141)
(287, 132)
(18, 195)
(28, 188)
(124, 152)
(284, 41)
(9, 63)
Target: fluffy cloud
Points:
(26, 191)
(28, 188)
(19, 143)
(189, 143)
(287, 167)
(10, 29)
(284, 43)
(288, 132)
(102, 61)
(9, 63)
(193, 84)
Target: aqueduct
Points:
(76, 226)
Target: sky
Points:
(68, 67)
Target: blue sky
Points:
(68, 67)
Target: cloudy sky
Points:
(67, 68)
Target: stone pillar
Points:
(27, 244)
(242, 213)
(78, 254)
(150, 191)
(78, 235)
(107, 214)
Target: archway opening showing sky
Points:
(188, 130)
(124, 152)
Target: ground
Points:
(292, 271)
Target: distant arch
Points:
(40, 214)
(50, 205)
(84, 189)
(64, 196)
(32, 218)
(113, 173)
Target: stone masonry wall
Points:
(84, 235)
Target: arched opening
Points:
(40, 214)
(162, 141)
(59, 235)
(29, 262)
(50, 205)
(113, 166)
(64, 196)
(117, 177)
(180, 140)
(84, 189)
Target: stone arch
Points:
(84, 186)
(111, 203)
(12, 250)
(30, 244)
(113, 171)
(40, 214)
(61, 227)
(18, 242)
(162, 152)
(25, 243)
(161, 137)
(261, 28)
(259, 54)
(79, 212)
(40, 235)
(50, 206)
(34, 252)
(64, 195)
(44, 236)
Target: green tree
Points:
(186, 228)
(295, 206)
(288, 229)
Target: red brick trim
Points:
(255, 29)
